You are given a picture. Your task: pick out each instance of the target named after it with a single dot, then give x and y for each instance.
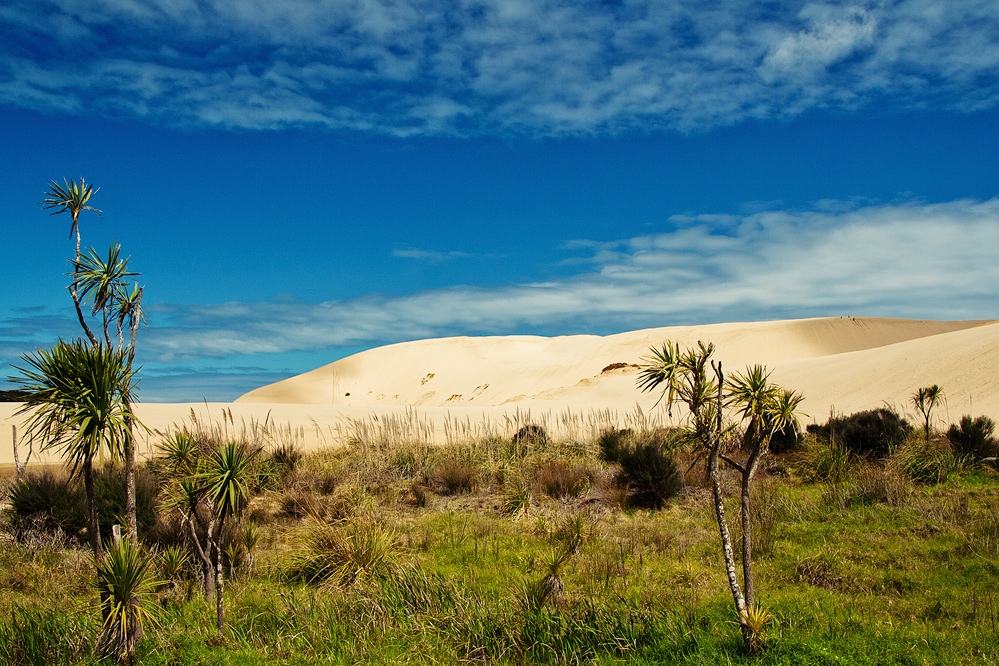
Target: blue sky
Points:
(300, 180)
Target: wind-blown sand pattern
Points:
(450, 388)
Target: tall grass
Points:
(538, 563)
(44, 637)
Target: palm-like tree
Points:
(72, 197)
(682, 377)
(101, 283)
(226, 482)
(188, 498)
(79, 400)
(925, 399)
(769, 409)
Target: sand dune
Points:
(496, 371)
(493, 383)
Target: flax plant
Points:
(79, 399)
(123, 576)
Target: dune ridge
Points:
(490, 384)
(503, 370)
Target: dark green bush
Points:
(648, 468)
(974, 437)
(530, 435)
(611, 442)
(109, 487)
(874, 433)
(785, 439)
(49, 503)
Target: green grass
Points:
(853, 574)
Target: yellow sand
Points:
(465, 385)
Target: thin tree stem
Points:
(95, 527)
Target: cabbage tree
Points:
(79, 399)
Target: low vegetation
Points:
(500, 550)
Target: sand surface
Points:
(450, 388)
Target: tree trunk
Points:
(133, 527)
(719, 501)
(206, 563)
(726, 535)
(130, 435)
(220, 582)
(747, 537)
(753, 441)
(21, 469)
(95, 527)
(79, 314)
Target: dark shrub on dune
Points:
(109, 487)
(531, 435)
(974, 437)
(47, 502)
(648, 468)
(873, 433)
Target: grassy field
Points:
(530, 551)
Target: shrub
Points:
(109, 487)
(974, 437)
(828, 461)
(786, 439)
(48, 503)
(874, 433)
(611, 442)
(922, 462)
(285, 459)
(883, 484)
(123, 576)
(530, 435)
(647, 464)
(558, 479)
(453, 476)
(340, 505)
(346, 553)
(517, 495)
(573, 530)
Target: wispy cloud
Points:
(408, 67)
(906, 260)
(430, 256)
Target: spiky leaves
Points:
(78, 397)
(226, 482)
(227, 478)
(102, 283)
(70, 197)
(682, 376)
(123, 576)
(180, 453)
(925, 399)
(768, 407)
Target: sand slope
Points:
(844, 361)
(438, 387)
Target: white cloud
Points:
(481, 66)
(907, 260)
(431, 256)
